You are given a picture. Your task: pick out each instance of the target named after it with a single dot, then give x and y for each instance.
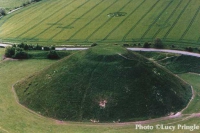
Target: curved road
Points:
(132, 49)
(165, 51)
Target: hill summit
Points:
(105, 83)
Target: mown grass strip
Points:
(170, 16)
(151, 25)
(177, 18)
(77, 18)
(190, 24)
(50, 15)
(92, 20)
(124, 38)
(106, 22)
(124, 20)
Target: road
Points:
(165, 51)
(133, 49)
(5, 45)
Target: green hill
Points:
(104, 21)
(104, 83)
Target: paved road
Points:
(133, 49)
(5, 45)
(71, 48)
(165, 50)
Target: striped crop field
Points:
(104, 21)
(10, 4)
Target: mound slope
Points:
(104, 83)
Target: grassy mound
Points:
(104, 83)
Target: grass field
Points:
(85, 21)
(10, 4)
(17, 119)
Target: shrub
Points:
(21, 45)
(46, 48)
(53, 48)
(20, 54)
(26, 47)
(189, 49)
(2, 12)
(35, 0)
(146, 45)
(37, 47)
(52, 55)
(10, 51)
(94, 44)
(125, 45)
(158, 43)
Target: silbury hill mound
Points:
(106, 83)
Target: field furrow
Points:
(156, 20)
(40, 26)
(193, 31)
(103, 8)
(14, 22)
(103, 21)
(138, 29)
(112, 23)
(75, 16)
(56, 25)
(181, 27)
(169, 23)
(169, 34)
(64, 34)
(99, 21)
(45, 17)
(132, 20)
(92, 37)
(190, 24)
(163, 24)
(137, 6)
(139, 21)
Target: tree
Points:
(53, 48)
(158, 43)
(20, 54)
(52, 55)
(146, 45)
(189, 49)
(94, 44)
(9, 52)
(46, 48)
(2, 12)
(37, 47)
(21, 45)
